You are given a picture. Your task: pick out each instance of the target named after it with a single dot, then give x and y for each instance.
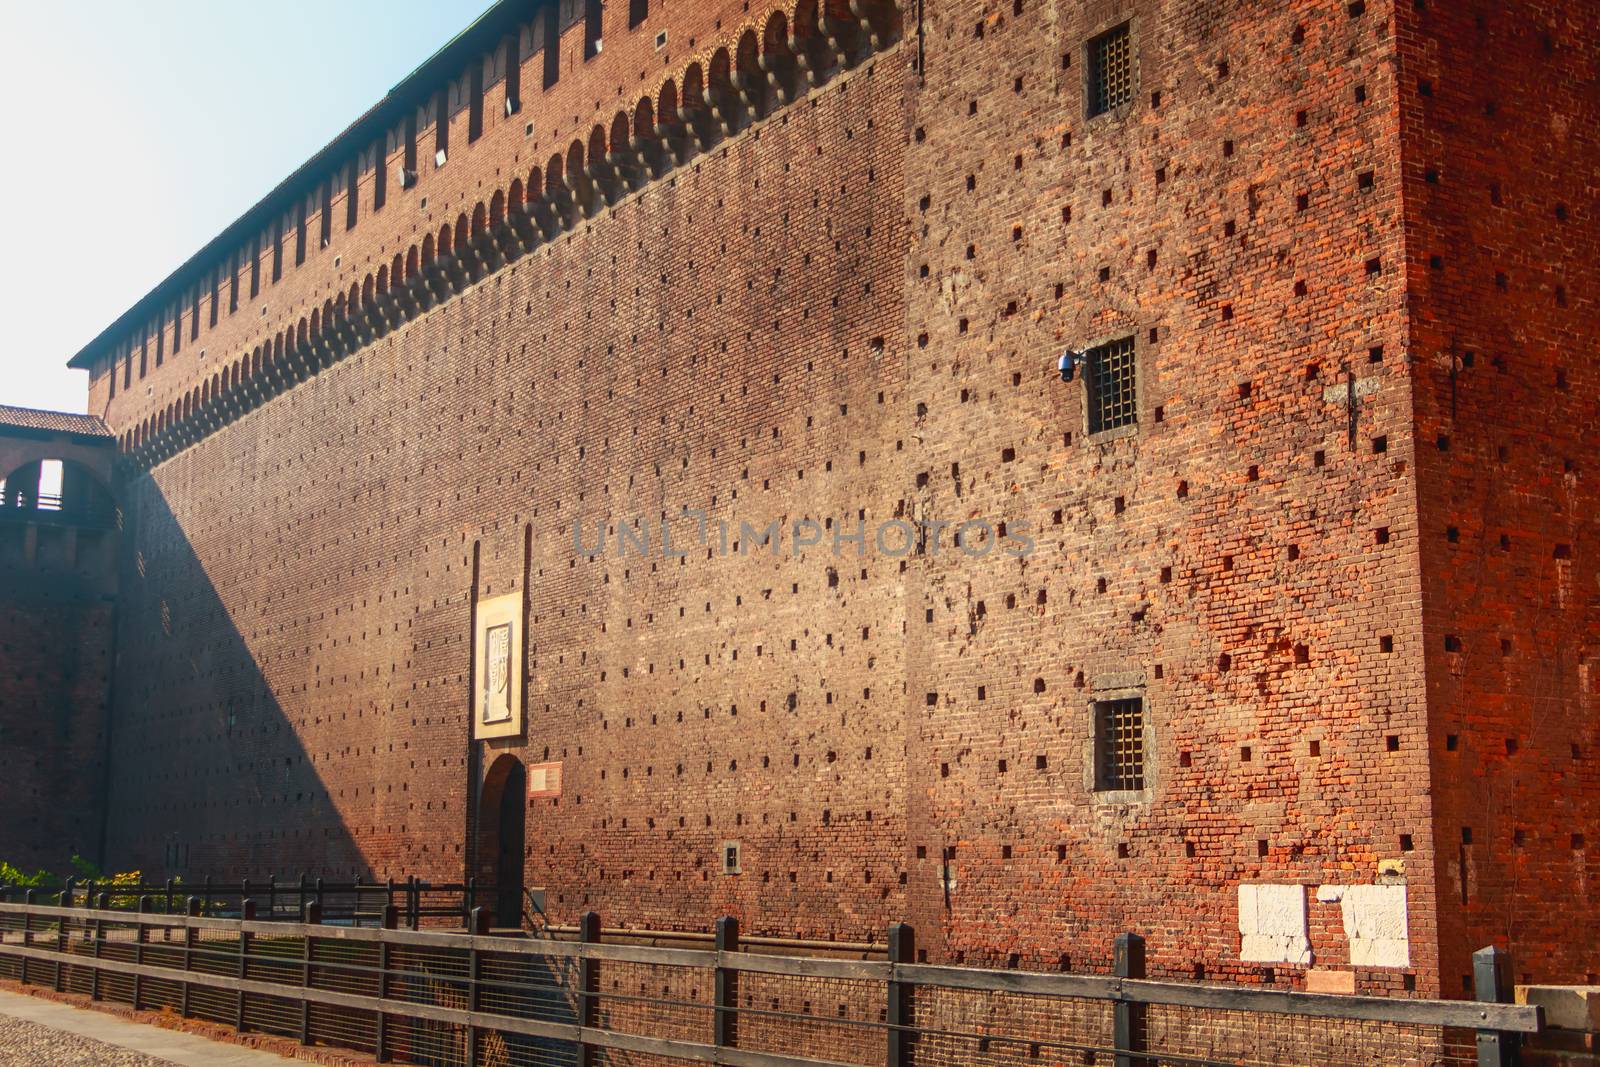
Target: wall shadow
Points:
(57, 617)
(208, 775)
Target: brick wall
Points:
(57, 618)
(309, 674)
(852, 313)
(1236, 558)
(1502, 245)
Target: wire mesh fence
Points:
(471, 999)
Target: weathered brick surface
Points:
(1227, 557)
(853, 312)
(1503, 255)
(56, 654)
(57, 622)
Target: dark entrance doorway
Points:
(504, 811)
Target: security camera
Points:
(1068, 364)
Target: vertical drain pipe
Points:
(470, 853)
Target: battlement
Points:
(470, 163)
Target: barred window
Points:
(1110, 70)
(1113, 386)
(1119, 744)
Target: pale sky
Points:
(135, 132)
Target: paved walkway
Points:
(36, 1032)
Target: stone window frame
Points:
(1120, 687)
(1142, 391)
(1085, 79)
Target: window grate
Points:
(1119, 728)
(1110, 70)
(1113, 386)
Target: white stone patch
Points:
(1330, 894)
(1375, 923)
(1272, 924)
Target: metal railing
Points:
(354, 903)
(52, 508)
(475, 1000)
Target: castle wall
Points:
(57, 621)
(845, 305)
(1503, 243)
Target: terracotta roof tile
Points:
(52, 421)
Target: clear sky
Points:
(135, 132)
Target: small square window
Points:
(1119, 744)
(730, 857)
(1113, 386)
(1110, 70)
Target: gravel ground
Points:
(26, 1044)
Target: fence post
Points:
(169, 896)
(247, 913)
(478, 926)
(98, 943)
(311, 915)
(902, 949)
(413, 903)
(588, 989)
(1129, 1017)
(725, 1017)
(191, 908)
(1491, 982)
(66, 892)
(140, 936)
(469, 898)
(27, 930)
(62, 940)
(206, 888)
(391, 919)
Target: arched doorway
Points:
(503, 812)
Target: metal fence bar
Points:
(897, 1014)
(391, 920)
(190, 934)
(61, 944)
(588, 989)
(477, 923)
(313, 917)
(99, 948)
(1491, 979)
(725, 1014)
(141, 932)
(1128, 1016)
(248, 911)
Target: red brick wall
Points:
(1502, 248)
(1227, 556)
(56, 626)
(306, 708)
(853, 312)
